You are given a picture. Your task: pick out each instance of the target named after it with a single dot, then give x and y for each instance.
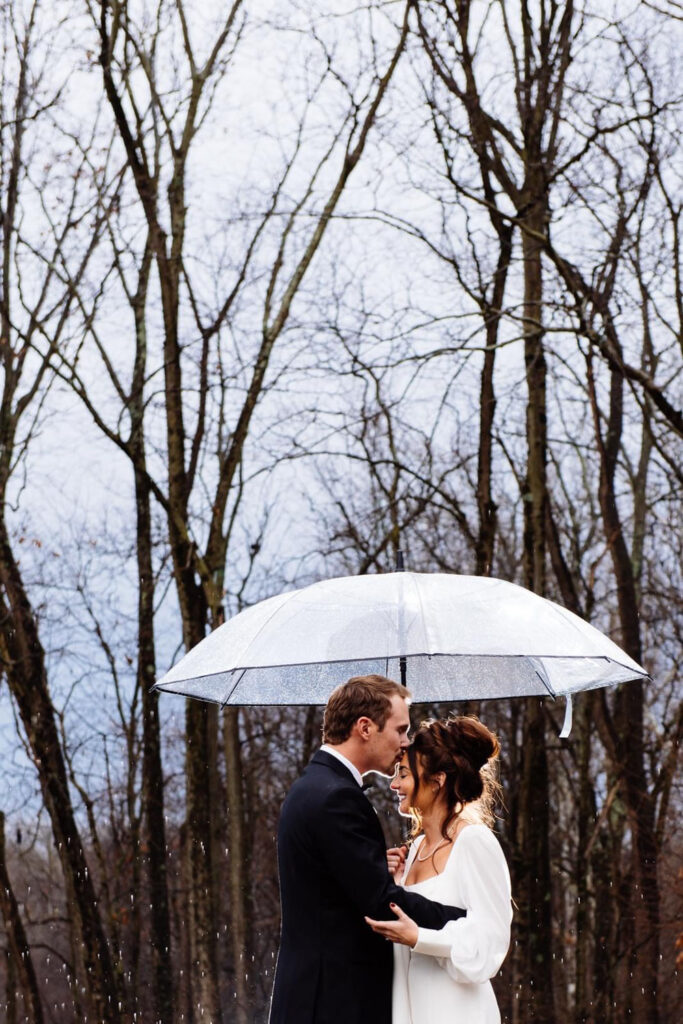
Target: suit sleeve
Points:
(352, 847)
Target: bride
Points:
(445, 782)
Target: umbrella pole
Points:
(402, 670)
(400, 567)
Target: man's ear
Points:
(365, 727)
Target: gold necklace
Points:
(429, 856)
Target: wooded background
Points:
(283, 287)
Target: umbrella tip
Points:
(400, 566)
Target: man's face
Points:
(386, 746)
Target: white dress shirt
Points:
(345, 761)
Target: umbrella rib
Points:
(268, 620)
(541, 676)
(423, 617)
(237, 682)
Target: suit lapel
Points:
(326, 760)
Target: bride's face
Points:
(423, 796)
(404, 786)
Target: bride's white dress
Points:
(444, 979)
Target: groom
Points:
(331, 968)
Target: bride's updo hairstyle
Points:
(466, 752)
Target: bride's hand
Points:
(404, 931)
(396, 861)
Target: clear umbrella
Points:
(461, 638)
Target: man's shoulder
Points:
(323, 807)
(322, 780)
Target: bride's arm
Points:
(473, 948)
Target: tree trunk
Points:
(606, 909)
(534, 814)
(237, 862)
(533, 878)
(628, 719)
(487, 407)
(181, 908)
(199, 723)
(311, 735)
(535, 497)
(10, 987)
(154, 823)
(152, 771)
(25, 672)
(585, 820)
(20, 970)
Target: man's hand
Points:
(404, 931)
(396, 861)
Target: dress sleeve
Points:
(473, 948)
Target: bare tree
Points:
(31, 331)
(157, 129)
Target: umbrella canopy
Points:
(462, 638)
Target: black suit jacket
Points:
(332, 968)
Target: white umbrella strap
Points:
(567, 724)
